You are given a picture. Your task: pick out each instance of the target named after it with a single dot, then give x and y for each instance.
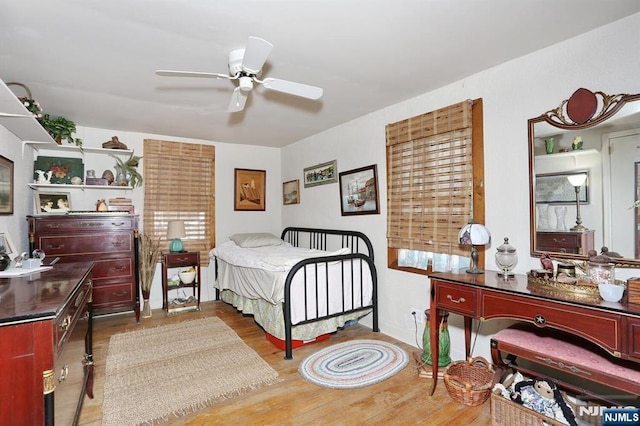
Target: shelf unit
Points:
(59, 186)
(18, 120)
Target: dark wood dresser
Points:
(107, 239)
(565, 241)
(46, 345)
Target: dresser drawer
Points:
(565, 242)
(457, 299)
(113, 295)
(89, 224)
(113, 268)
(87, 245)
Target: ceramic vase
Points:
(561, 213)
(444, 343)
(549, 145)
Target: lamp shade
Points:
(577, 180)
(474, 234)
(175, 229)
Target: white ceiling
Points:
(94, 61)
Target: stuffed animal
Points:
(543, 396)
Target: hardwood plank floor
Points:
(400, 400)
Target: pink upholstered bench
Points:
(566, 353)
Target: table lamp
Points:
(176, 231)
(577, 181)
(474, 235)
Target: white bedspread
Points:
(271, 258)
(263, 272)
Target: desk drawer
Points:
(457, 299)
(603, 328)
(71, 313)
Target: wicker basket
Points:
(470, 382)
(508, 413)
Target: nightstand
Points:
(174, 293)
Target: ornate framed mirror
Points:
(584, 178)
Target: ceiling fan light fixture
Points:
(246, 83)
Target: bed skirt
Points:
(271, 318)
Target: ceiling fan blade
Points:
(292, 88)
(171, 73)
(238, 99)
(255, 54)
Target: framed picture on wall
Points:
(6, 186)
(359, 191)
(6, 244)
(53, 202)
(249, 190)
(291, 192)
(555, 188)
(321, 174)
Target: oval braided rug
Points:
(353, 364)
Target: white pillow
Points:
(255, 239)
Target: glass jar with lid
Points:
(506, 258)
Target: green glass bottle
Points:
(444, 342)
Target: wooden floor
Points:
(400, 400)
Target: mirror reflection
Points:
(584, 162)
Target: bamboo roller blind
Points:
(430, 179)
(179, 185)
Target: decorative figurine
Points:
(43, 177)
(547, 264)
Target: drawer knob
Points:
(66, 322)
(460, 300)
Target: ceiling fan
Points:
(245, 65)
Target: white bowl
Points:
(611, 292)
(187, 277)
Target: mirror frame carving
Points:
(584, 109)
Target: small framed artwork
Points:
(555, 188)
(6, 185)
(249, 190)
(291, 192)
(6, 244)
(53, 202)
(359, 191)
(321, 174)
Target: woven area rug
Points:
(353, 364)
(155, 373)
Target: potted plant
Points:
(127, 171)
(60, 128)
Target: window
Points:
(179, 185)
(435, 176)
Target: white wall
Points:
(606, 59)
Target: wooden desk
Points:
(613, 326)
